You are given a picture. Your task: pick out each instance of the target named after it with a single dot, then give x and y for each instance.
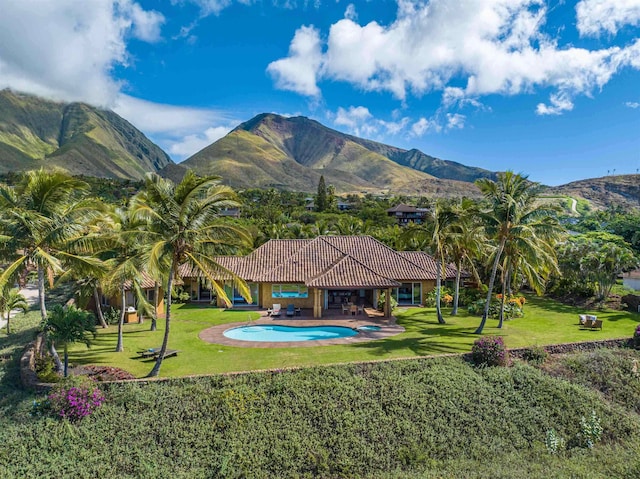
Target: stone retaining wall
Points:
(28, 375)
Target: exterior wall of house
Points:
(267, 301)
(114, 300)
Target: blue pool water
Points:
(283, 334)
(369, 327)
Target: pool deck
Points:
(388, 328)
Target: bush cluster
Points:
(74, 399)
(489, 351)
(446, 297)
(636, 337)
(513, 308)
(535, 355)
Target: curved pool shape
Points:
(369, 327)
(284, 334)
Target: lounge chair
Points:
(291, 310)
(275, 310)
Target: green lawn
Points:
(545, 322)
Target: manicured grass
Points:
(545, 322)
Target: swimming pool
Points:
(283, 334)
(369, 327)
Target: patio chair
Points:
(275, 310)
(291, 310)
(345, 308)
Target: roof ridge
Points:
(347, 256)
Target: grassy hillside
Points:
(419, 418)
(616, 190)
(81, 139)
(272, 151)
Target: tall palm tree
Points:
(11, 299)
(67, 326)
(513, 210)
(434, 235)
(465, 243)
(42, 215)
(184, 227)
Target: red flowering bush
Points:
(489, 351)
(74, 400)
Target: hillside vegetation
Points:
(615, 190)
(76, 137)
(420, 418)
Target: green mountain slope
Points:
(273, 151)
(76, 137)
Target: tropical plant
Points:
(185, 228)
(489, 351)
(68, 326)
(11, 299)
(41, 217)
(74, 398)
(514, 217)
(433, 236)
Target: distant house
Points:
(632, 279)
(342, 206)
(148, 287)
(405, 214)
(322, 274)
(230, 212)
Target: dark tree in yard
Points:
(68, 326)
(185, 228)
(321, 196)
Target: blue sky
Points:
(548, 88)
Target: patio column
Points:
(317, 303)
(387, 303)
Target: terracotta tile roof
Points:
(350, 273)
(427, 263)
(329, 262)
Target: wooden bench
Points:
(592, 324)
(155, 352)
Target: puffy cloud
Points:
(182, 131)
(494, 46)
(350, 12)
(598, 16)
(558, 104)
(632, 104)
(298, 71)
(423, 126)
(455, 121)
(359, 121)
(72, 46)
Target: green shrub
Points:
(489, 351)
(382, 300)
(553, 442)
(430, 297)
(535, 355)
(636, 337)
(470, 295)
(45, 368)
(111, 315)
(590, 430)
(511, 309)
(178, 295)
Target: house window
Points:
(408, 293)
(289, 291)
(151, 295)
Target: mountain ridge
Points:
(77, 137)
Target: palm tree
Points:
(42, 215)
(11, 299)
(513, 212)
(184, 227)
(67, 326)
(434, 235)
(465, 243)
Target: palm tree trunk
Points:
(456, 294)
(56, 357)
(492, 280)
(123, 300)
(438, 288)
(66, 360)
(43, 308)
(154, 319)
(96, 299)
(8, 322)
(156, 368)
(502, 300)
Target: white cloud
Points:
(494, 46)
(193, 143)
(598, 16)
(298, 71)
(559, 104)
(181, 131)
(632, 104)
(455, 121)
(359, 121)
(351, 13)
(423, 126)
(67, 49)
